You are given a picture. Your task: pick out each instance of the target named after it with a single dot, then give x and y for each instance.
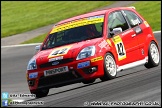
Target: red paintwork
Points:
(133, 48)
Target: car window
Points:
(133, 19)
(115, 20)
(59, 36)
(75, 31)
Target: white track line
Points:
(20, 45)
(157, 32)
(40, 43)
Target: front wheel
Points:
(110, 69)
(41, 93)
(153, 56)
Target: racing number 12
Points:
(119, 47)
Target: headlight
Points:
(32, 64)
(86, 52)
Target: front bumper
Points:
(74, 75)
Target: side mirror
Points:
(37, 47)
(117, 30)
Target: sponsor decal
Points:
(103, 44)
(56, 71)
(109, 42)
(142, 51)
(146, 24)
(138, 30)
(77, 23)
(83, 64)
(33, 75)
(149, 35)
(97, 59)
(56, 58)
(59, 51)
(119, 47)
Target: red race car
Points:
(93, 45)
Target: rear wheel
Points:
(41, 93)
(110, 69)
(153, 56)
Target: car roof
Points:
(93, 13)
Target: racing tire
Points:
(153, 56)
(110, 68)
(41, 93)
(88, 81)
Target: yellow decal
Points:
(108, 41)
(77, 23)
(119, 47)
(26, 76)
(146, 24)
(96, 59)
(59, 51)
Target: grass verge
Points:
(21, 16)
(150, 10)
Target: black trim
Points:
(137, 30)
(63, 61)
(59, 80)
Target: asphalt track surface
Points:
(133, 85)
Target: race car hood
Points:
(64, 52)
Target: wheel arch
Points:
(147, 45)
(114, 55)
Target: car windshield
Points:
(75, 31)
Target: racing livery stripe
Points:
(77, 23)
(133, 64)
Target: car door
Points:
(135, 23)
(125, 43)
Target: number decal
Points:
(62, 51)
(119, 47)
(55, 52)
(59, 51)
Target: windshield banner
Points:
(77, 23)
